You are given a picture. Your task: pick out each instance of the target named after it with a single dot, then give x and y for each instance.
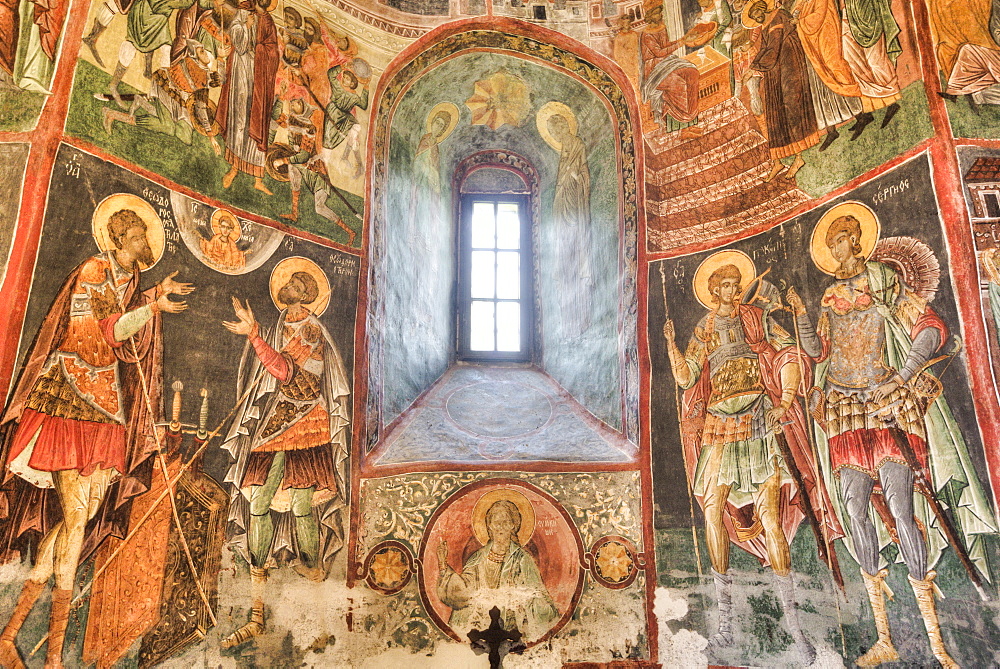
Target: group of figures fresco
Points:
(807, 68)
(86, 442)
(828, 408)
(276, 94)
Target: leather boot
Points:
(883, 650)
(116, 79)
(294, 216)
(924, 592)
(256, 625)
(91, 41)
(9, 657)
(786, 593)
(723, 638)
(58, 620)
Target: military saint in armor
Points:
(745, 443)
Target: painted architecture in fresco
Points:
(748, 250)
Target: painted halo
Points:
(289, 266)
(870, 231)
(548, 110)
(453, 115)
(510, 495)
(114, 203)
(713, 262)
(221, 214)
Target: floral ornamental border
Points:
(518, 46)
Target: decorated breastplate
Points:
(857, 335)
(303, 392)
(731, 361)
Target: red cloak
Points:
(693, 409)
(27, 512)
(265, 69)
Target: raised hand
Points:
(442, 554)
(668, 330)
(170, 287)
(245, 324)
(164, 304)
(795, 302)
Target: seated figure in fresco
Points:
(889, 430)
(501, 573)
(670, 83)
(746, 448)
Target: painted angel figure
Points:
(885, 425)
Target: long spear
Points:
(677, 403)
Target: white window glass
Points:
(508, 226)
(508, 326)
(481, 325)
(508, 275)
(483, 274)
(483, 225)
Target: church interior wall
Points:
(298, 182)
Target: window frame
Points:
(464, 299)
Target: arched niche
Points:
(409, 326)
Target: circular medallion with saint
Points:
(502, 543)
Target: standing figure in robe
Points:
(571, 218)
(244, 112)
(836, 95)
(290, 439)
(670, 83)
(78, 435)
(30, 32)
(870, 36)
(883, 423)
(788, 105)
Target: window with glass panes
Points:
(495, 279)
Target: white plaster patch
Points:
(684, 647)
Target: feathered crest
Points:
(917, 262)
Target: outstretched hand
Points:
(170, 287)
(245, 324)
(164, 304)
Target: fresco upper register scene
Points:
(713, 382)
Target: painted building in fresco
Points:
(581, 333)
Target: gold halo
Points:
(548, 110)
(511, 495)
(220, 214)
(145, 211)
(870, 230)
(453, 114)
(745, 14)
(714, 262)
(289, 266)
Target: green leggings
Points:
(262, 527)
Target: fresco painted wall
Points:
(578, 291)
(748, 117)
(195, 433)
(897, 214)
(12, 161)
